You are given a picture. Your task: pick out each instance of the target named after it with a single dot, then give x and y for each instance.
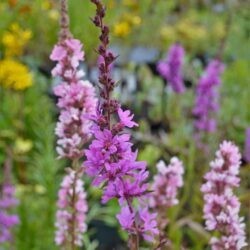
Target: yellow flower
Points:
(131, 19)
(22, 189)
(111, 4)
(40, 189)
(15, 40)
(218, 30)
(122, 29)
(14, 75)
(187, 30)
(136, 20)
(133, 4)
(167, 33)
(22, 146)
(46, 5)
(54, 15)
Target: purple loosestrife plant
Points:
(221, 209)
(110, 158)
(171, 68)
(77, 102)
(206, 103)
(165, 188)
(76, 99)
(8, 220)
(247, 146)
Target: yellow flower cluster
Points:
(192, 34)
(133, 4)
(14, 75)
(126, 24)
(185, 30)
(48, 6)
(128, 20)
(15, 40)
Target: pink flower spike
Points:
(126, 118)
(64, 215)
(166, 184)
(222, 207)
(76, 99)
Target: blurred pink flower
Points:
(221, 209)
(71, 194)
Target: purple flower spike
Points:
(7, 220)
(110, 158)
(171, 68)
(206, 103)
(221, 209)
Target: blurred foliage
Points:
(27, 118)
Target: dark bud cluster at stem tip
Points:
(107, 84)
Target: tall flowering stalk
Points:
(165, 188)
(247, 146)
(206, 103)
(110, 158)
(8, 202)
(171, 68)
(221, 209)
(76, 101)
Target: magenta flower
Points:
(221, 209)
(7, 220)
(171, 68)
(126, 118)
(206, 103)
(110, 158)
(146, 222)
(71, 221)
(247, 146)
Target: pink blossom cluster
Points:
(7, 220)
(221, 209)
(76, 99)
(171, 67)
(166, 184)
(72, 208)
